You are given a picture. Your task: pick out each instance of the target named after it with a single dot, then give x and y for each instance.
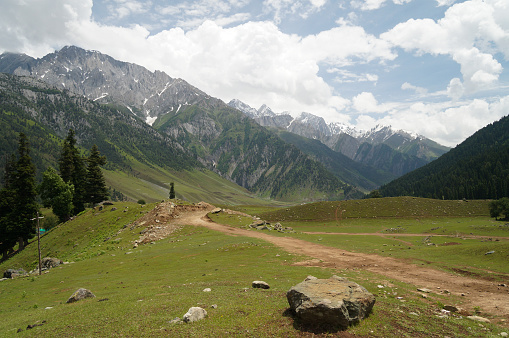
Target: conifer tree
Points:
(96, 190)
(25, 194)
(72, 170)
(6, 204)
(172, 190)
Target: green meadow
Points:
(139, 291)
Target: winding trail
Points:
(488, 295)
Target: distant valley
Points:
(271, 155)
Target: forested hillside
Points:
(46, 114)
(478, 168)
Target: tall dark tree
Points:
(72, 170)
(8, 239)
(172, 190)
(23, 185)
(96, 190)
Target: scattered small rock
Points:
(503, 334)
(207, 290)
(214, 306)
(310, 278)
(490, 252)
(424, 290)
(451, 308)
(194, 314)
(177, 320)
(479, 319)
(258, 284)
(80, 294)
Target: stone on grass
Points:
(258, 284)
(207, 290)
(13, 273)
(80, 294)
(335, 302)
(479, 319)
(50, 262)
(194, 314)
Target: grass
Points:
(153, 184)
(138, 291)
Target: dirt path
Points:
(489, 296)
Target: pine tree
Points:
(72, 170)
(6, 205)
(25, 207)
(172, 190)
(57, 194)
(96, 190)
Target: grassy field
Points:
(450, 235)
(153, 184)
(138, 291)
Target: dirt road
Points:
(487, 295)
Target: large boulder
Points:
(194, 314)
(335, 302)
(50, 262)
(80, 294)
(13, 273)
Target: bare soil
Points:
(491, 297)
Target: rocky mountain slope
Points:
(395, 151)
(218, 137)
(103, 79)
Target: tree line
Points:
(79, 182)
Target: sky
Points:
(438, 68)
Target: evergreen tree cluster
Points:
(18, 205)
(478, 168)
(80, 182)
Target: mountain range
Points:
(394, 151)
(271, 155)
(201, 128)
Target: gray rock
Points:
(424, 290)
(503, 334)
(335, 301)
(79, 295)
(194, 314)
(13, 273)
(479, 319)
(451, 308)
(50, 262)
(177, 320)
(258, 284)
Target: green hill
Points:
(478, 168)
(141, 161)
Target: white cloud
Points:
(447, 123)
(346, 76)
(123, 8)
(369, 5)
(366, 103)
(470, 33)
(418, 90)
(441, 3)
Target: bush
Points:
(141, 201)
